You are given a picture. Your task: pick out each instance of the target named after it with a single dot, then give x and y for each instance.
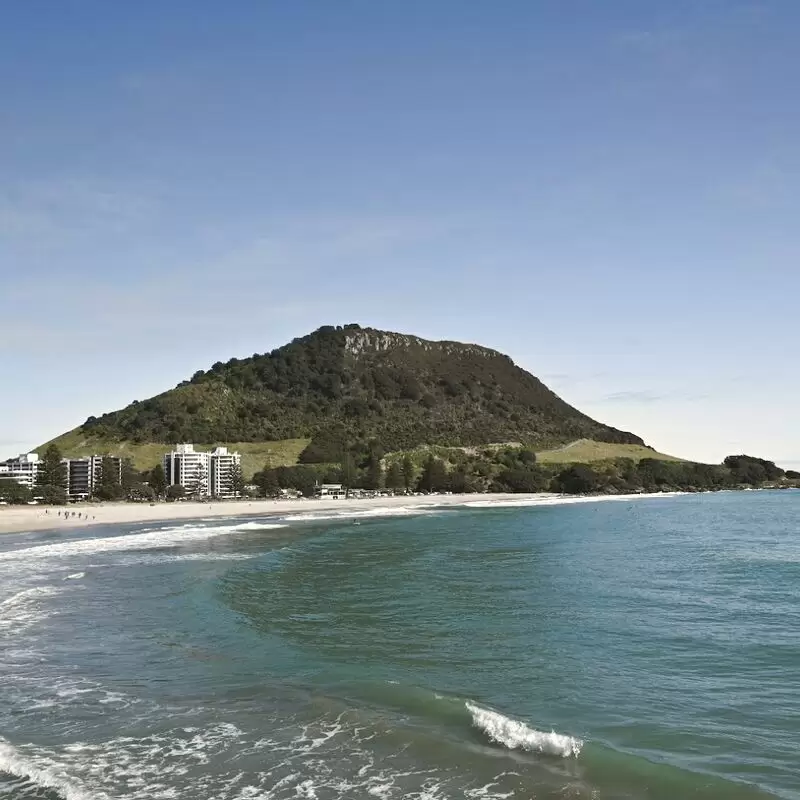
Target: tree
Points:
(577, 479)
(13, 492)
(394, 476)
(521, 480)
(433, 477)
(109, 485)
(409, 473)
(460, 482)
(237, 480)
(198, 483)
(267, 481)
(129, 476)
(52, 495)
(157, 480)
(793, 474)
(51, 479)
(374, 476)
(175, 492)
(748, 469)
(141, 492)
(348, 470)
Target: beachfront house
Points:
(330, 491)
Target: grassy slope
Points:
(586, 450)
(145, 456)
(582, 451)
(286, 452)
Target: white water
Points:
(24, 608)
(514, 734)
(143, 540)
(377, 511)
(51, 776)
(564, 500)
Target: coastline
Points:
(29, 519)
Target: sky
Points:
(607, 192)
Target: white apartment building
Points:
(23, 469)
(201, 473)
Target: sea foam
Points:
(549, 499)
(174, 536)
(13, 762)
(513, 734)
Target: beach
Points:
(21, 519)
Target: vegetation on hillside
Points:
(516, 469)
(346, 387)
(145, 455)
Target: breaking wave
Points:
(563, 500)
(516, 735)
(376, 511)
(24, 608)
(142, 540)
(12, 762)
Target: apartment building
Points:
(85, 474)
(24, 469)
(82, 474)
(202, 473)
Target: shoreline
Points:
(31, 519)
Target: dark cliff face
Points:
(345, 384)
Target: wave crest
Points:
(13, 762)
(513, 734)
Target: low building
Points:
(202, 473)
(331, 491)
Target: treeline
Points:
(457, 470)
(516, 470)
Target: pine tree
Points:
(434, 476)
(198, 484)
(374, 476)
(51, 478)
(408, 472)
(109, 486)
(157, 480)
(394, 476)
(129, 476)
(236, 480)
(348, 471)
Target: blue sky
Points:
(605, 191)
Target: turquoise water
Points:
(645, 648)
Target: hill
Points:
(145, 455)
(586, 451)
(347, 387)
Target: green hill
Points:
(344, 387)
(585, 451)
(145, 455)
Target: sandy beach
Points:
(22, 519)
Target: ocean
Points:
(626, 648)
